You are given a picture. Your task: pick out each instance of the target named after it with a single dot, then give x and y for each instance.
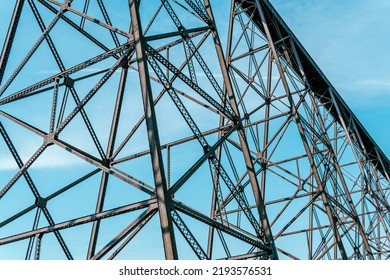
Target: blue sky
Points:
(349, 40)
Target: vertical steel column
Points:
(294, 113)
(10, 37)
(245, 148)
(264, 152)
(38, 246)
(109, 152)
(334, 156)
(214, 199)
(358, 160)
(162, 193)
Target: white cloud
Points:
(87, 70)
(376, 83)
(7, 164)
(52, 160)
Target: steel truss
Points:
(131, 131)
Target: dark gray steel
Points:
(9, 40)
(181, 142)
(163, 198)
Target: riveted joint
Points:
(69, 82)
(65, 6)
(49, 139)
(206, 148)
(41, 202)
(125, 63)
(106, 162)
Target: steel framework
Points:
(133, 130)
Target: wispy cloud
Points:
(86, 70)
(367, 87)
(52, 160)
(376, 83)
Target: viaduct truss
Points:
(193, 129)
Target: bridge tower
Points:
(167, 129)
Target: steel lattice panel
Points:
(130, 131)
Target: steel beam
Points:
(9, 40)
(239, 106)
(80, 220)
(107, 161)
(241, 134)
(162, 194)
(332, 217)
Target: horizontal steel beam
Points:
(82, 220)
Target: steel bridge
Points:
(167, 129)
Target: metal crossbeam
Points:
(158, 129)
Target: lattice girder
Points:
(131, 131)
